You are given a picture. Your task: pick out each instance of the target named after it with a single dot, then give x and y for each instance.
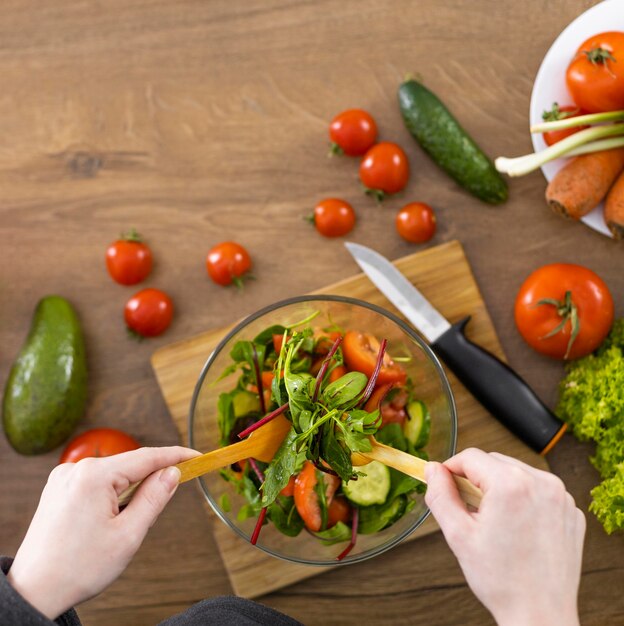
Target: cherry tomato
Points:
(338, 511)
(149, 312)
(278, 340)
(360, 352)
(595, 76)
(325, 342)
(384, 170)
(333, 217)
(129, 260)
(352, 132)
(98, 442)
(545, 310)
(390, 405)
(306, 498)
(561, 113)
(416, 222)
(227, 263)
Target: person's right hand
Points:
(521, 551)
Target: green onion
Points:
(520, 166)
(580, 120)
(594, 146)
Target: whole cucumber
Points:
(448, 144)
(46, 391)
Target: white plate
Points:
(550, 85)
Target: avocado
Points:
(46, 392)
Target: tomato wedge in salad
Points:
(306, 497)
(360, 354)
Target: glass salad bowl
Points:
(429, 385)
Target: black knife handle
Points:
(499, 389)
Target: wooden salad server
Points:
(263, 443)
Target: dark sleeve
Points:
(15, 611)
(230, 611)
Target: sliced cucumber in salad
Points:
(370, 489)
(418, 424)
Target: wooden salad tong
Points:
(263, 443)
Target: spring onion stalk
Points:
(520, 166)
(596, 146)
(580, 120)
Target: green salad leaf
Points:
(591, 401)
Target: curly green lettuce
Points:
(592, 403)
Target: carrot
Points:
(582, 183)
(614, 208)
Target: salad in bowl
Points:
(339, 370)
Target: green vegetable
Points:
(336, 534)
(376, 518)
(592, 402)
(46, 392)
(448, 144)
(418, 424)
(371, 488)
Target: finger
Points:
(446, 506)
(509, 460)
(137, 464)
(148, 503)
(479, 467)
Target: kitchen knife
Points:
(493, 383)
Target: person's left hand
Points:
(79, 542)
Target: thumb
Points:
(443, 499)
(151, 498)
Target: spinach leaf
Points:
(334, 453)
(281, 468)
(392, 435)
(344, 390)
(379, 516)
(285, 517)
(402, 484)
(225, 416)
(336, 534)
(266, 336)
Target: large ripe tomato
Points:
(384, 170)
(554, 300)
(352, 132)
(129, 260)
(333, 217)
(561, 113)
(416, 222)
(227, 263)
(595, 76)
(149, 312)
(306, 498)
(391, 403)
(98, 442)
(360, 352)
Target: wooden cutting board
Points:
(444, 276)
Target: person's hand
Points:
(78, 541)
(521, 552)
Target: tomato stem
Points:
(567, 311)
(335, 150)
(378, 194)
(132, 235)
(599, 56)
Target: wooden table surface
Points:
(201, 121)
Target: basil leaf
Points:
(344, 390)
(336, 534)
(281, 468)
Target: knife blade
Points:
(493, 383)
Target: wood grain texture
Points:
(201, 121)
(443, 275)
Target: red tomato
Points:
(392, 410)
(149, 312)
(337, 372)
(561, 113)
(338, 511)
(278, 340)
(289, 489)
(416, 222)
(227, 263)
(544, 310)
(129, 260)
(352, 132)
(384, 170)
(306, 499)
(325, 342)
(360, 354)
(595, 76)
(333, 217)
(98, 442)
